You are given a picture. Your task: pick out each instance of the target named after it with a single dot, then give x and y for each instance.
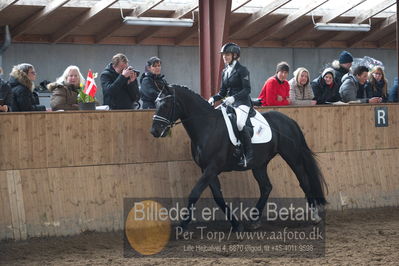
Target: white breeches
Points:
(242, 112)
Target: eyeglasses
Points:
(32, 72)
(377, 74)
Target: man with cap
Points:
(342, 66)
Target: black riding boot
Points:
(247, 159)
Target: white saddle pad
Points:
(262, 130)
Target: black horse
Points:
(213, 152)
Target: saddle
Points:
(260, 128)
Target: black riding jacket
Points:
(237, 85)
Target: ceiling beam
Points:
(187, 34)
(376, 9)
(340, 10)
(6, 4)
(266, 10)
(181, 12)
(81, 19)
(239, 5)
(377, 28)
(294, 37)
(387, 39)
(328, 16)
(138, 11)
(141, 10)
(109, 29)
(37, 17)
(149, 31)
(289, 20)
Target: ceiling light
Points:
(148, 21)
(342, 27)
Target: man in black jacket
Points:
(119, 83)
(342, 66)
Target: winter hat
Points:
(328, 70)
(345, 57)
(282, 66)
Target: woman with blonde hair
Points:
(65, 89)
(377, 83)
(300, 90)
(21, 81)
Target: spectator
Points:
(119, 84)
(22, 79)
(152, 82)
(342, 66)
(300, 91)
(324, 87)
(353, 89)
(276, 89)
(5, 95)
(393, 91)
(66, 89)
(377, 83)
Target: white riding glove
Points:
(229, 100)
(211, 101)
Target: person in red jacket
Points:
(276, 90)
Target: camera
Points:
(135, 71)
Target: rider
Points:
(235, 85)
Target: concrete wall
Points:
(180, 64)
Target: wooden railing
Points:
(63, 173)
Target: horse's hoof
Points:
(255, 225)
(238, 228)
(315, 217)
(317, 220)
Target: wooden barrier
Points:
(65, 173)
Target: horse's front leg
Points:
(219, 199)
(208, 175)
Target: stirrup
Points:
(243, 162)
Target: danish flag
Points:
(90, 86)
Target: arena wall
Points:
(62, 173)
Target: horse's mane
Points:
(186, 91)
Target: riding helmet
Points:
(231, 47)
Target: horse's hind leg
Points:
(218, 197)
(265, 187)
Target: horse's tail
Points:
(295, 151)
(317, 182)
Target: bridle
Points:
(168, 121)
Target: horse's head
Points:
(165, 115)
